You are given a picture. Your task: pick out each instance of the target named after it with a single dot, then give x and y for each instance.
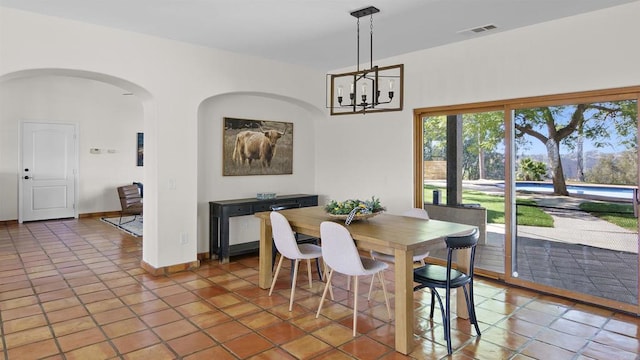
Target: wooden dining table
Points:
(392, 234)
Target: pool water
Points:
(612, 192)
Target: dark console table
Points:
(221, 211)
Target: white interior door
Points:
(48, 172)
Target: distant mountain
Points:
(570, 162)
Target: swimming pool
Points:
(624, 193)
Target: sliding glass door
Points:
(558, 178)
(575, 175)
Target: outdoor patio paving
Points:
(580, 253)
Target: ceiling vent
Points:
(479, 29)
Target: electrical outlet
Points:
(184, 239)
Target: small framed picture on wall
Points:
(140, 152)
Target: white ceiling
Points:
(316, 33)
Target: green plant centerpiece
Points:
(354, 209)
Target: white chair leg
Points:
(373, 277)
(275, 276)
(309, 273)
(384, 291)
(324, 293)
(326, 274)
(293, 285)
(355, 304)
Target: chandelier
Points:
(376, 89)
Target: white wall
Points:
(371, 154)
(106, 120)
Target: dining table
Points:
(391, 234)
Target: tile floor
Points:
(74, 290)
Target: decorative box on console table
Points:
(221, 211)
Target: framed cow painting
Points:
(256, 147)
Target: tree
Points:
(619, 169)
(531, 170)
(482, 132)
(485, 131)
(559, 124)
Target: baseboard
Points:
(203, 256)
(166, 270)
(99, 214)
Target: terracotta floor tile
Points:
(625, 325)
(102, 350)
(306, 347)
(74, 325)
(149, 307)
(135, 341)
(38, 350)
(504, 338)
(59, 304)
(174, 329)
(123, 327)
(540, 350)
(24, 323)
(137, 297)
(191, 343)
(364, 347)
(486, 350)
(273, 354)
(169, 290)
(209, 319)
(28, 336)
(281, 333)
(194, 308)
(107, 317)
(80, 339)
(595, 350)
(21, 312)
(104, 305)
(161, 317)
(247, 345)
(260, 320)
(585, 317)
(227, 331)
(618, 341)
(18, 302)
(222, 301)
(181, 298)
(334, 334)
(216, 352)
(574, 328)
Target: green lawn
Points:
(619, 214)
(527, 213)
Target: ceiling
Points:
(315, 33)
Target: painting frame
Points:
(140, 149)
(256, 147)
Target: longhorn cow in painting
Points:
(255, 145)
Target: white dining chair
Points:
(417, 257)
(340, 254)
(287, 246)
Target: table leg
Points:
(266, 248)
(404, 300)
(464, 257)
